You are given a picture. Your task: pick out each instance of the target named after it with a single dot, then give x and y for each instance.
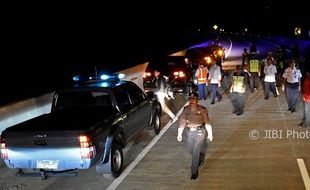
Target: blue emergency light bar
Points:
(102, 77)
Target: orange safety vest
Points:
(202, 76)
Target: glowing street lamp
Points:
(215, 27)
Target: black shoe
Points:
(239, 113)
(293, 110)
(289, 109)
(193, 177)
(301, 124)
(219, 99)
(212, 102)
(266, 98)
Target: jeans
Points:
(270, 86)
(215, 93)
(292, 94)
(202, 91)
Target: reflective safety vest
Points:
(202, 76)
(254, 66)
(238, 84)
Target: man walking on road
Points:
(292, 76)
(270, 71)
(237, 90)
(162, 92)
(201, 75)
(215, 78)
(195, 118)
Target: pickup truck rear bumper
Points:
(51, 165)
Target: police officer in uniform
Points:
(292, 76)
(195, 119)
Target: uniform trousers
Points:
(202, 91)
(292, 94)
(197, 144)
(215, 93)
(270, 86)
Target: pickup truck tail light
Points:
(3, 150)
(87, 148)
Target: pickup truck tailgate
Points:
(46, 150)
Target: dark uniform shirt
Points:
(193, 117)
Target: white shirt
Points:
(270, 73)
(215, 74)
(292, 75)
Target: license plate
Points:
(47, 164)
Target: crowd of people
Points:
(286, 72)
(269, 73)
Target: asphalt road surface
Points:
(261, 149)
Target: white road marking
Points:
(286, 128)
(304, 173)
(139, 157)
(301, 163)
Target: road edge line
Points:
(304, 173)
(139, 157)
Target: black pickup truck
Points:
(89, 125)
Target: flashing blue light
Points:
(76, 78)
(104, 77)
(121, 75)
(104, 84)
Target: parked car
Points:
(89, 125)
(174, 68)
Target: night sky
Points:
(51, 43)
